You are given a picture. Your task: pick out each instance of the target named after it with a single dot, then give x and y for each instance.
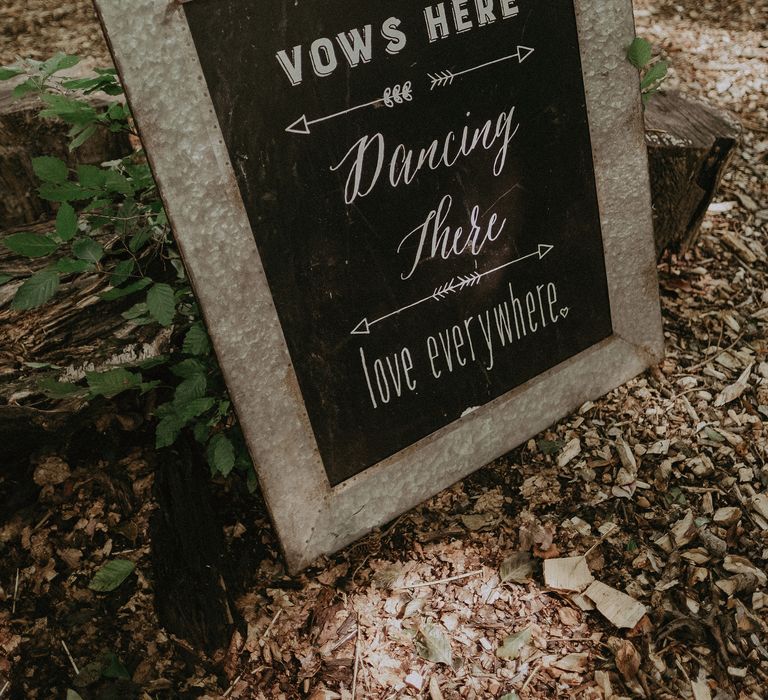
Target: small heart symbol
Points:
(564, 312)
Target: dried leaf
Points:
(700, 687)
(619, 608)
(517, 568)
(433, 644)
(514, 644)
(567, 574)
(479, 521)
(573, 663)
(734, 391)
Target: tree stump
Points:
(191, 597)
(24, 136)
(690, 145)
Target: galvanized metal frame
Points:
(155, 55)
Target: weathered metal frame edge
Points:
(153, 50)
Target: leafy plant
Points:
(652, 73)
(111, 222)
(111, 576)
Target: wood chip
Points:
(573, 663)
(567, 574)
(617, 607)
(726, 516)
(570, 451)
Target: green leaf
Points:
(25, 88)
(112, 382)
(82, 137)
(113, 668)
(5, 278)
(31, 245)
(70, 110)
(8, 73)
(116, 293)
(59, 390)
(57, 62)
(550, 447)
(88, 249)
(136, 311)
(252, 481)
(140, 239)
(194, 409)
(66, 222)
(167, 431)
(196, 341)
(49, 169)
(221, 455)
(639, 53)
(36, 290)
(122, 272)
(73, 695)
(151, 362)
(514, 644)
(192, 388)
(162, 304)
(68, 266)
(188, 368)
(91, 176)
(64, 192)
(657, 72)
(202, 432)
(112, 575)
(433, 644)
(117, 182)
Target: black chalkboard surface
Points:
(420, 184)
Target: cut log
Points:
(690, 145)
(24, 136)
(76, 329)
(191, 596)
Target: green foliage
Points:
(111, 222)
(652, 75)
(38, 289)
(111, 576)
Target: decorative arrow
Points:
(393, 96)
(456, 284)
(446, 77)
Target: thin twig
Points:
(344, 639)
(711, 358)
(232, 687)
(43, 521)
(607, 534)
(357, 664)
(530, 678)
(269, 626)
(15, 592)
(438, 582)
(4, 688)
(71, 660)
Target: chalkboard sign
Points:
(444, 208)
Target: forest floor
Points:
(659, 490)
